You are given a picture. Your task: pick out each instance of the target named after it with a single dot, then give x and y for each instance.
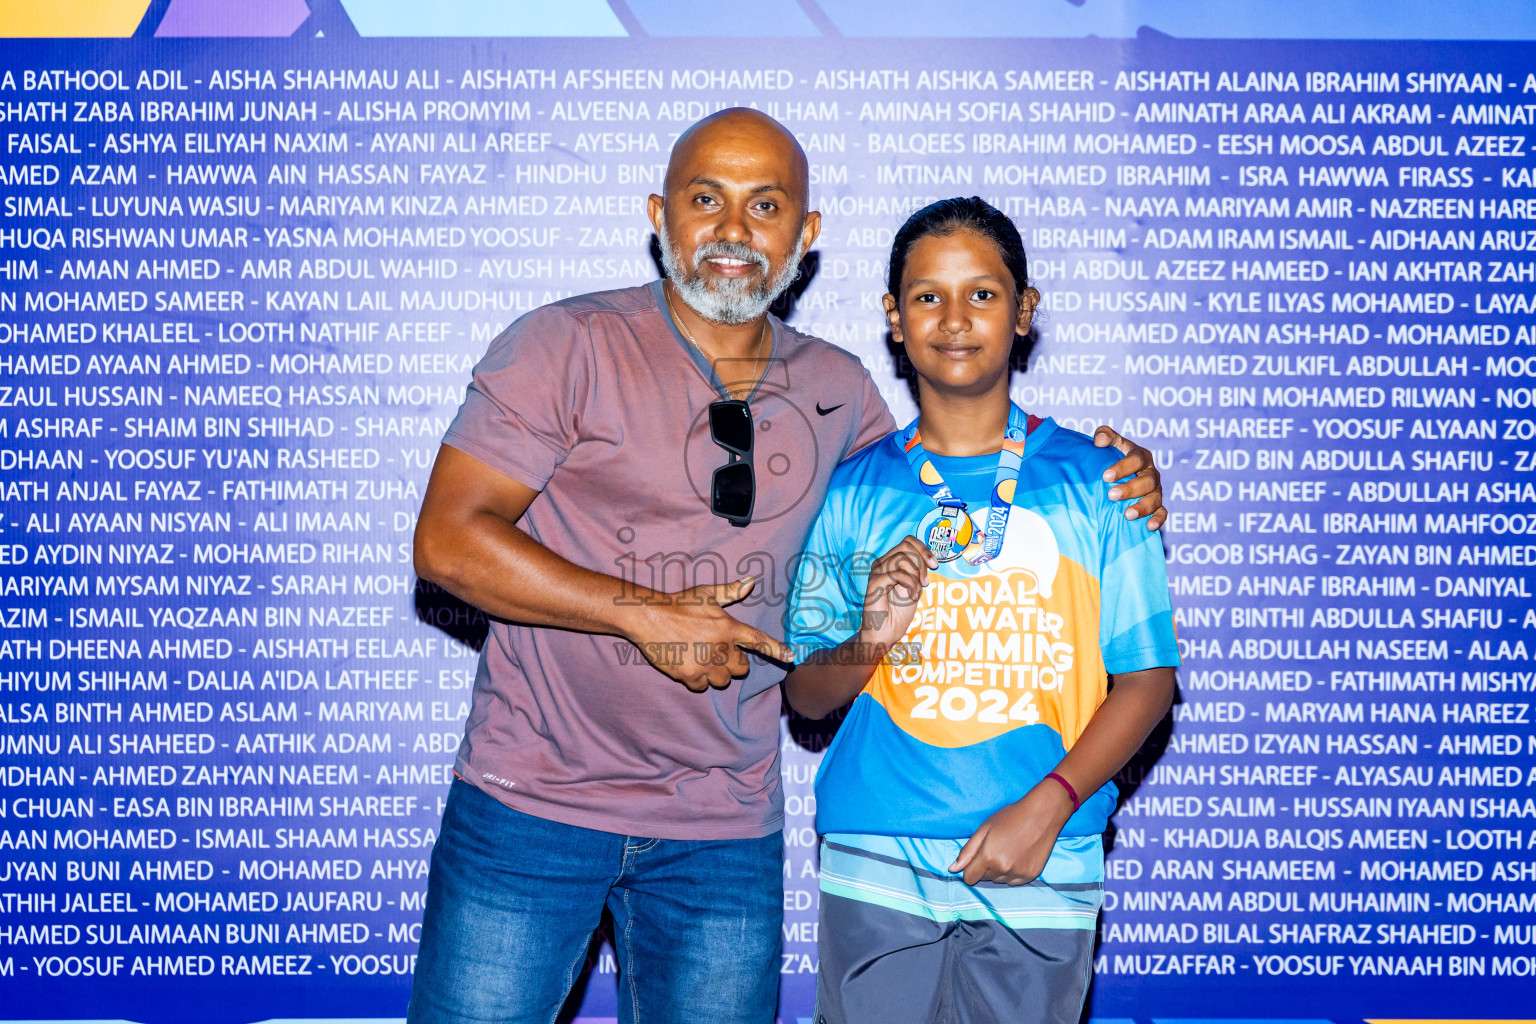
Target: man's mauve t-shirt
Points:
(599, 403)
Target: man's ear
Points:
(893, 317)
(1029, 301)
(810, 232)
(653, 209)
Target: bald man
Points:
(623, 492)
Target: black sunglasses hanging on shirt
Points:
(733, 487)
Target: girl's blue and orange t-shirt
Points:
(1004, 662)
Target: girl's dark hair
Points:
(947, 216)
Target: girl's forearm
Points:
(1136, 703)
(832, 677)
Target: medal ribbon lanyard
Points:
(1009, 461)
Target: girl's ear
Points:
(893, 317)
(1029, 299)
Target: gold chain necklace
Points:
(756, 360)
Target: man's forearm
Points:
(498, 568)
(468, 543)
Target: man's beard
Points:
(731, 300)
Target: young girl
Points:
(969, 582)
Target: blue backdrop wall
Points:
(245, 280)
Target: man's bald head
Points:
(739, 135)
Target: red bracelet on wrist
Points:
(1071, 793)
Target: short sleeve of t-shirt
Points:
(1135, 612)
(876, 420)
(826, 599)
(522, 411)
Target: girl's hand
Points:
(896, 582)
(1013, 845)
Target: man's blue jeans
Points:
(513, 900)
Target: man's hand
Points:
(1013, 845)
(1146, 482)
(896, 581)
(690, 636)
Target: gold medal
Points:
(947, 530)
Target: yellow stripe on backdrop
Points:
(70, 19)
